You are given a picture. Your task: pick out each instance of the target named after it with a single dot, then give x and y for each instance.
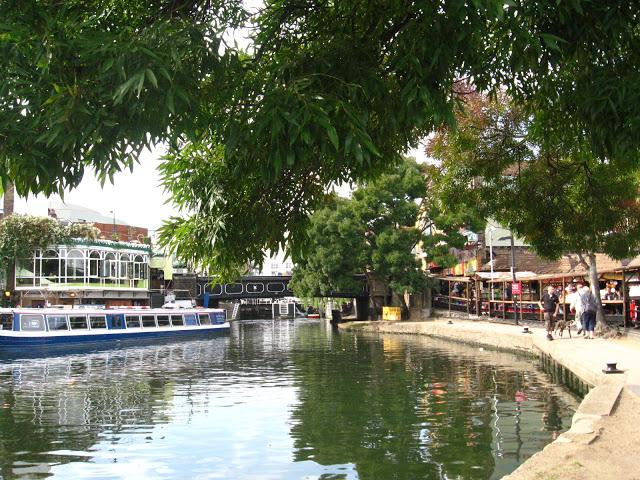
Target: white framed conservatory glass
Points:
(82, 266)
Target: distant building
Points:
(85, 273)
(274, 266)
(108, 225)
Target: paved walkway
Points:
(606, 426)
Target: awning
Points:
(454, 279)
(611, 276)
(506, 276)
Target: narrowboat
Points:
(29, 327)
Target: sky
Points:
(136, 197)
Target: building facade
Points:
(85, 273)
(109, 225)
(274, 265)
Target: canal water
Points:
(278, 400)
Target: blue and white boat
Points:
(33, 327)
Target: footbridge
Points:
(260, 287)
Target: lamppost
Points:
(513, 274)
(113, 233)
(491, 230)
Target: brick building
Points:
(126, 233)
(107, 224)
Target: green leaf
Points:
(140, 83)
(106, 66)
(358, 152)
(152, 78)
(333, 136)
(169, 102)
(552, 41)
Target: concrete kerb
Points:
(585, 359)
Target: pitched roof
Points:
(568, 264)
(78, 213)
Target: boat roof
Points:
(104, 311)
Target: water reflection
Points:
(277, 400)
(423, 408)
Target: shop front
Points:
(497, 296)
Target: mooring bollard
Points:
(611, 368)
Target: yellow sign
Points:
(392, 314)
(464, 268)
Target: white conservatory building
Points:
(97, 272)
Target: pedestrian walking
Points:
(577, 308)
(549, 303)
(589, 307)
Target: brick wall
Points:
(126, 233)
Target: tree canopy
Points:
(322, 92)
(91, 83)
(560, 196)
(338, 251)
(377, 232)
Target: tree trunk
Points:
(385, 295)
(400, 300)
(8, 203)
(372, 297)
(8, 199)
(594, 279)
(10, 276)
(405, 306)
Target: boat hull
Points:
(28, 331)
(20, 341)
(49, 350)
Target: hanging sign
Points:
(516, 288)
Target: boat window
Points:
(163, 321)
(218, 317)
(78, 322)
(176, 320)
(133, 321)
(190, 319)
(6, 321)
(32, 323)
(148, 321)
(204, 319)
(116, 321)
(57, 322)
(97, 322)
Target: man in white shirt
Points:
(576, 307)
